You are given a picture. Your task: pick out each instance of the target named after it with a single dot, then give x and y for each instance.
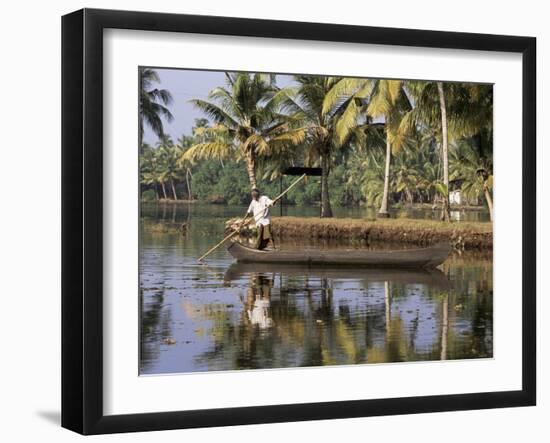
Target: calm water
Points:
(224, 316)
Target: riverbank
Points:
(168, 201)
(438, 206)
(462, 235)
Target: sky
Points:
(185, 85)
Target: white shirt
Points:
(260, 210)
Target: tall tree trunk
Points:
(140, 135)
(384, 206)
(445, 151)
(326, 210)
(409, 196)
(163, 190)
(173, 189)
(489, 201)
(251, 168)
(157, 192)
(188, 183)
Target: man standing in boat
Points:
(259, 209)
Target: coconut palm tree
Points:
(430, 111)
(444, 150)
(153, 103)
(372, 179)
(304, 103)
(388, 100)
(147, 167)
(184, 143)
(169, 159)
(328, 119)
(473, 168)
(372, 100)
(457, 109)
(247, 123)
(150, 169)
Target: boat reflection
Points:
(260, 279)
(430, 277)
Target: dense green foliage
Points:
(377, 140)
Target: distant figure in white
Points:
(259, 208)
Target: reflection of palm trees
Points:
(296, 327)
(291, 320)
(387, 305)
(444, 327)
(155, 325)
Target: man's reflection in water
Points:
(258, 301)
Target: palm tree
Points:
(372, 179)
(150, 168)
(184, 143)
(247, 123)
(152, 103)
(473, 167)
(407, 178)
(373, 99)
(458, 110)
(328, 120)
(169, 155)
(444, 150)
(147, 166)
(388, 100)
(430, 111)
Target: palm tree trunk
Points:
(140, 135)
(445, 151)
(189, 195)
(251, 168)
(326, 209)
(173, 189)
(163, 190)
(489, 201)
(384, 206)
(409, 196)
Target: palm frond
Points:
(213, 150)
(216, 113)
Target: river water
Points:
(223, 316)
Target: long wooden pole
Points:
(236, 231)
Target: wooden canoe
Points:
(426, 258)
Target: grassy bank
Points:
(462, 235)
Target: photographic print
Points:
(302, 220)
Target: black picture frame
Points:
(82, 215)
